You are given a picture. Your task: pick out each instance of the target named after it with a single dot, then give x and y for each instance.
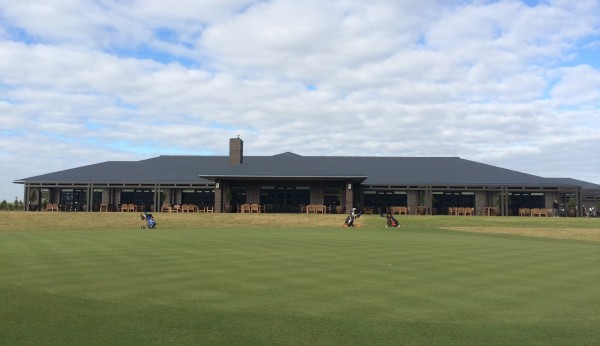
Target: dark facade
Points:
(287, 181)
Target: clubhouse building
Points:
(291, 183)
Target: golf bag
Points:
(351, 218)
(349, 222)
(391, 221)
(148, 221)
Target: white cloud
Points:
(498, 82)
(579, 85)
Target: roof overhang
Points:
(344, 178)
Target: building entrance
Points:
(284, 199)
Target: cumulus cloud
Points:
(501, 82)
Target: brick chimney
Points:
(236, 151)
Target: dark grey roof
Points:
(403, 171)
(574, 182)
(161, 169)
(380, 170)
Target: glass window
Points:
(453, 199)
(380, 200)
(526, 200)
(238, 194)
(73, 199)
(143, 198)
(284, 199)
(332, 195)
(199, 197)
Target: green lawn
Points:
(299, 284)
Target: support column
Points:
(218, 197)
(429, 200)
(90, 197)
(26, 197)
(579, 202)
(480, 202)
(349, 201)
(504, 201)
(412, 201)
(156, 199)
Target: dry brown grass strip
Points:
(588, 234)
(48, 221)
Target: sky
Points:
(514, 84)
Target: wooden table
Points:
(315, 209)
(489, 211)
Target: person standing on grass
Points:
(555, 208)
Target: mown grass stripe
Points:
(273, 284)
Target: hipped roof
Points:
(402, 171)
